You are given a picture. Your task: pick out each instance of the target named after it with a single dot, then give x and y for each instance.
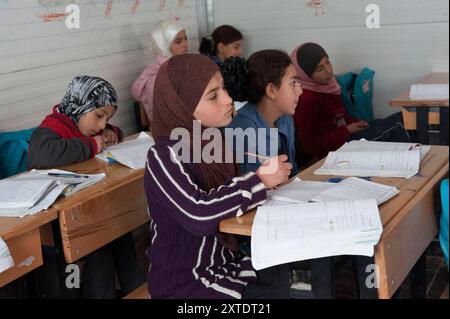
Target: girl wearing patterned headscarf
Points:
(76, 131)
(167, 39)
(189, 257)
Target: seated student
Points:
(320, 119)
(269, 81)
(226, 43)
(76, 131)
(167, 39)
(189, 257)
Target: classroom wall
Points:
(411, 42)
(38, 58)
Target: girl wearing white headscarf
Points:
(167, 39)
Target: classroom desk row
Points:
(409, 219)
(88, 219)
(103, 212)
(418, 115)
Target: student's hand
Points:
(357, 126)
(109, 137)
(100, 144)
(274, 171)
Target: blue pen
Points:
(337, 179)
(334, 180)
(67, 175)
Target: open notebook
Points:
(131, 153)
(36, 190)
(299, 191)
(282, 234)
(20, 194)
(367, 158)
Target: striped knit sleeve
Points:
(199, 212)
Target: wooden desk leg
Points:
(422, 124)
(443, 126)
(360, 264)
(322, 278)
(418, 289)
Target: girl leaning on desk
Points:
(76, 131)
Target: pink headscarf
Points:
(308, 84)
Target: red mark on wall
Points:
(108, 8)
(177, 18)
(52, 16)
(318, 5)
(135, 6)
(162, 5)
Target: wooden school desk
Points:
(22, 235)
(101, 213)
(409, 220)
(417, 114)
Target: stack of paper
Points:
(132, 153)
(356, 188)
(366, 158)
(282, 234)
(6, 260)
(23, 195)
(429, 92)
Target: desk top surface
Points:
(117, 175)
(404, 100)
(434, 166)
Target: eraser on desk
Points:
(111, 160)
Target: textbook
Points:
(131, 153)
(367, 158)
(61, 183)
(6, 260)
(288, 233)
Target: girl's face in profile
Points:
(94, 122)
(324, 72)
(287, 95)
(180, 44)
(215, 108)
(229, 50)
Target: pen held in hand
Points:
(260, 157)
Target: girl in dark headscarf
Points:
(321, 121)
(76, 131)
(189, 257)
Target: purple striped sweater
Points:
(186, 259)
